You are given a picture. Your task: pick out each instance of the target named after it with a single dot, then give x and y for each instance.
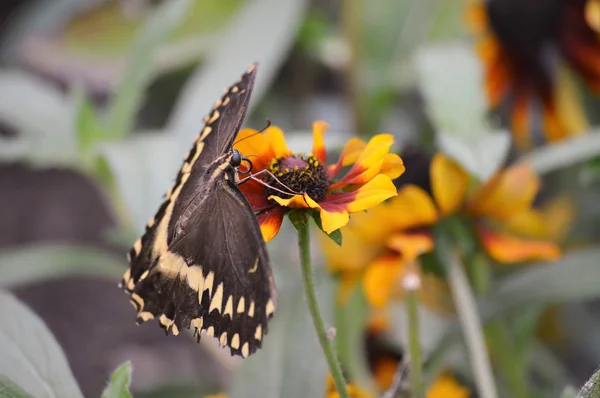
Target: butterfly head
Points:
(236, 161)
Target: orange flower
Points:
(380, 246)
(525, 47)
(298, 181)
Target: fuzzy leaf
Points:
(9, 389)
(29, 354)
(118, 385)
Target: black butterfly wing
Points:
(214, 140)
(222, 284)
(220, 129)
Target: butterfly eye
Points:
(236, 159)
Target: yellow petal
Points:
(349, 155)
(372, 193)
(333, 218)
(410, 246)
(296, 202)
(509, 249)
(380, 277)
(412, 208)
(274, 136)
(449, 183)
(508, 193)
(392, 166)
(318, 150)
(446, 386)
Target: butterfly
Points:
(202, 261)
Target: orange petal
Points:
(275, 138)
(371, 194)
(256, 146)
(520, 120)
(385, 371)
(592, 14)
(371, 157)
(509, 249)
(318, 150)
(270, 222)
(449, 183)
(361, 176)
(380, 277)
(296, 202)
(447, 386)
(506, 194)
(349, 155)
(412, 208)
(554, 129)
(255, 194)
(392, 166)
(410, 246)
(551, 222)
(476, 16)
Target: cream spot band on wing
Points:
(253, 269)
(198, 322)
(245, 350)
(258, 332)
(187, 166)
(235, 341)
(210, 331)
(251, 310)
(137, 246)
(205, 132)
(270, 307)
(160, 240)
(226, 101)
(208, 282)
(223, 338)
(217, 301)
(215, 115)
(241, 305)
(229, 307)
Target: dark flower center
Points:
(299, 173)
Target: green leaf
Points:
(118, 385)
(144, 168)
(29, 354)
(482, 154)
(351, 324)
(9, 389)
(335, 236)
(591, 389)
(565, 153)
(298, 218)
(274, 26)
(573, 278)
(88, 125)
(47, 137)
(129, 95)
(291, 362)
(444, 70)
(37, 262)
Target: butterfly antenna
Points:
(258, 132)
(253, 177)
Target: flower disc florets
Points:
(298, 173)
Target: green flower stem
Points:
(471, 326)
(414, 345)
(313, 306)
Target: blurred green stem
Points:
(471, 326)
(313, 306)
(352, 12)
(414, 345)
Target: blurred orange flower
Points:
(379, 245)
(367, 183)
(525, 47)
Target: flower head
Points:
(304, 181)
(380, 247)
(524, 46)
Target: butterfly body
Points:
(202, 261)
